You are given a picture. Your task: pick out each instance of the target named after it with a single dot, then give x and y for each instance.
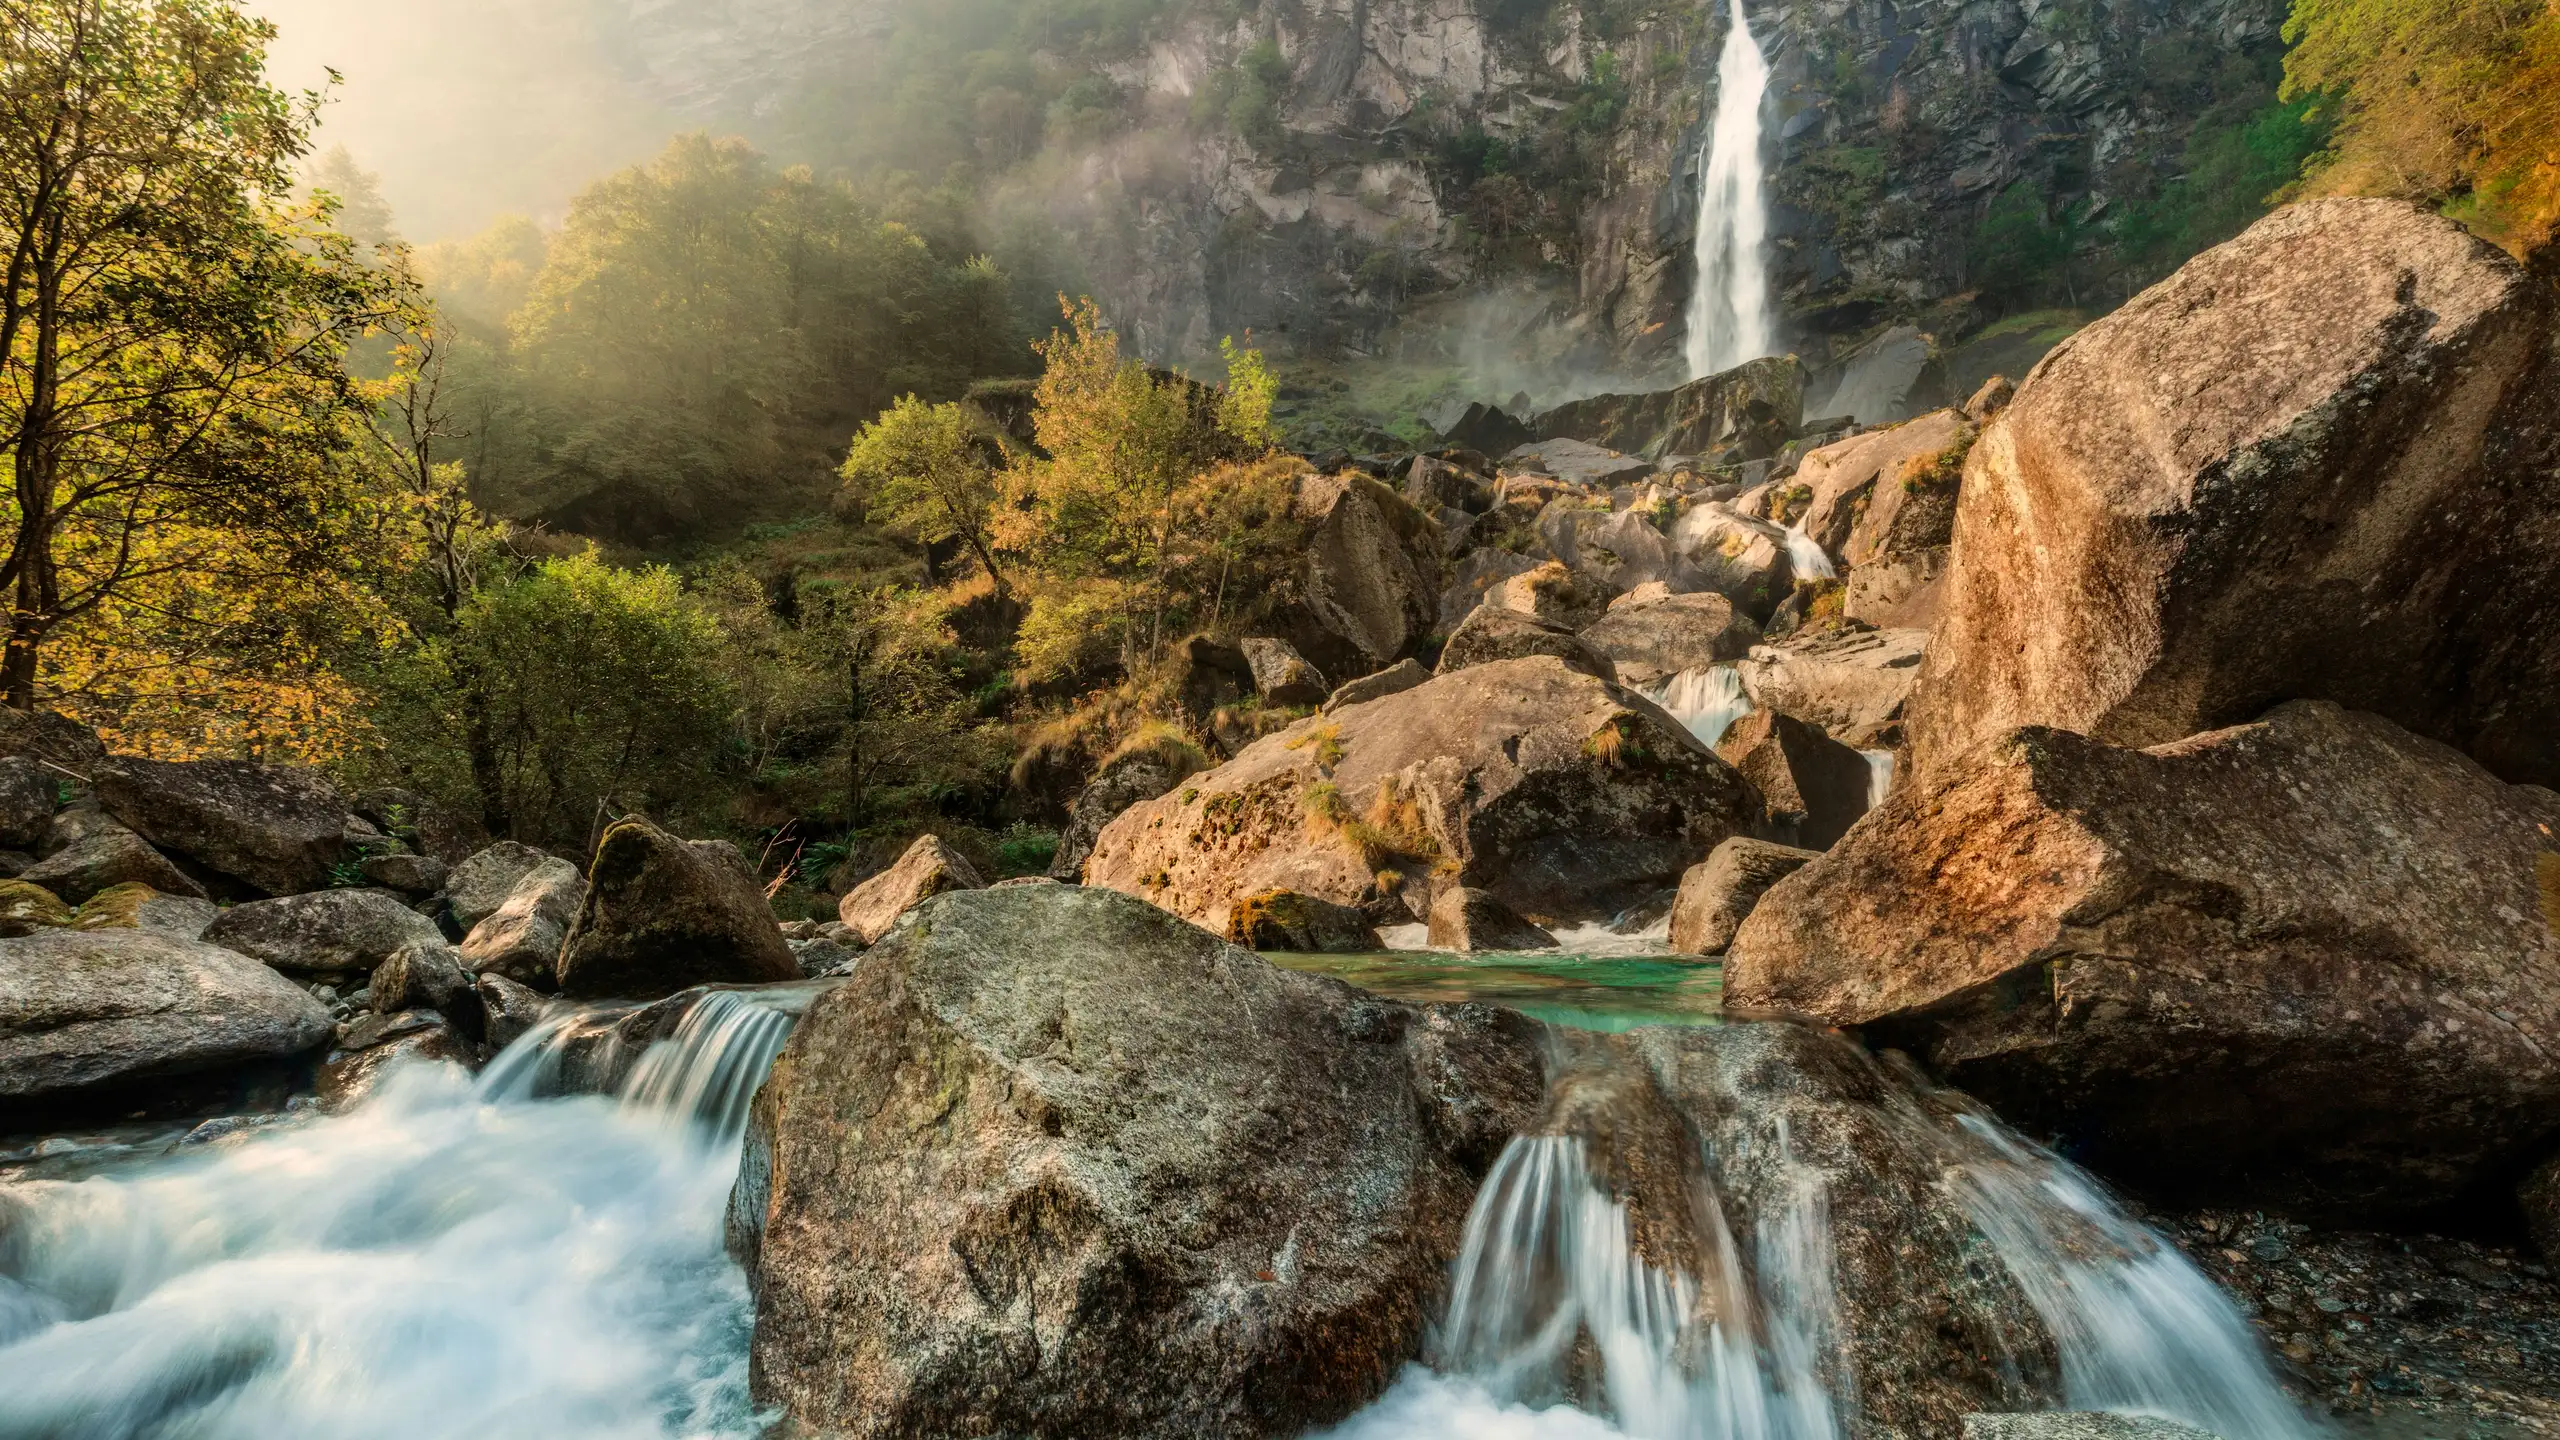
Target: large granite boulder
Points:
(1812, 787)
(44, 735)
(83, 1012)
(523, 937)
(277, 829)
(2320, 461)
(1657, 637)
(477, 887)
(1853, 681)
(1564, 795)
(1282, 676)
(662, 914)
(1288, 921)
(1122, 781)
(135, 906)
(928, 868)
(325, 931)
(1374, 572)
(1886, 492)
(1718, 893)
(2299, 961)
(1495, 633)
(1054, 1164)
(1734, 555)
(427, 976)
(1473, 920)
(92, 853)
(1744, 413)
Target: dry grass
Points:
(1392, 829)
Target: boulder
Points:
(27, 795)
(1475, 576)
(25, 909)
(1608, 551)
(404, 872)
(1852, 681)
(1282, 676)
(1464, 919)
(1899, 592)
(1560, 793)
(1288, 921)
(2299, 963)
(1731, 554)
(1054, 1164)
(1121, 782)
(1577, 463)
(819, 958)
(1717, 895)
(1553, 593)
(1373, 576)
(928, 868)
(1654, 640)
(368, 1049)
(476, 888)
(44, 735)
(427, 977)
(1401, 676)
(86, 1011)
(1813, 787)
(139, 907)
(1487, 429)
(426, 825)
(101, 855)
(1210, 674)
(1744, 413)
(324, 931)
(1494, 634)
(2321, 461)
(277, 829)
(2539, 1199)
(522, 938)
(1886, 492)
(510, 1009)
(1992, 397)
(662, 914)
(1892, 377)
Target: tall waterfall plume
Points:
(1729, 320)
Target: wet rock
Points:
(523, 937)
(139, 907)
(280, 830)
(928, 868)
(25, 909)
(662, 914)
(1063, 1090)
(1852, 681)
(1464, 919)
(1660, 637)
(1560, 793)
(427, 976)
(1395, 679)
(1286, 920)
(1813, 787)
(27, 795)
(83, 1011)
(1494, 634)
(510, 1009)
(2320, 461)
(1886, 492)
(404, 872)
(1281, 676)
(1717, 894)
(1121, 782)
(1373, 577)
(101, 855)
(475, 889)
(2297, 961)
(323, 932)
(352, 1071)
(2070, 1425)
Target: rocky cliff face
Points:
(1509, 185)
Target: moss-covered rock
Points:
(25, 908)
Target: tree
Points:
(921, 470)
(173, 401)
(354, 197)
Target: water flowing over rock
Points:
(662, 914)
(86, 1011)
(1854, 682)
(2297, 962)
(278, 829)
(928, 868)
(1717, 895)
(2321, 461)
(2060, 1426)
(325, 931)
(1562, 794)
(1706, 702)
(1053, 1163)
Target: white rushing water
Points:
(450, 1258)
(1807, 559)
(1729, 319)
(1706, 701)
(1879, 776)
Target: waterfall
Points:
(1706, 701)
(1879, 776)
(1729, 320)
(1806, 558)
(448, 1257)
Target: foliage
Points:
(2232, 173)
(922, 470)
(2454, 102)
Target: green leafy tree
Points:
(922, 470)
(174, 405)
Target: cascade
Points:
(1729, 319)
(1879, 776)
(1706, 701)
(1806, 558)
(451, 1256)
